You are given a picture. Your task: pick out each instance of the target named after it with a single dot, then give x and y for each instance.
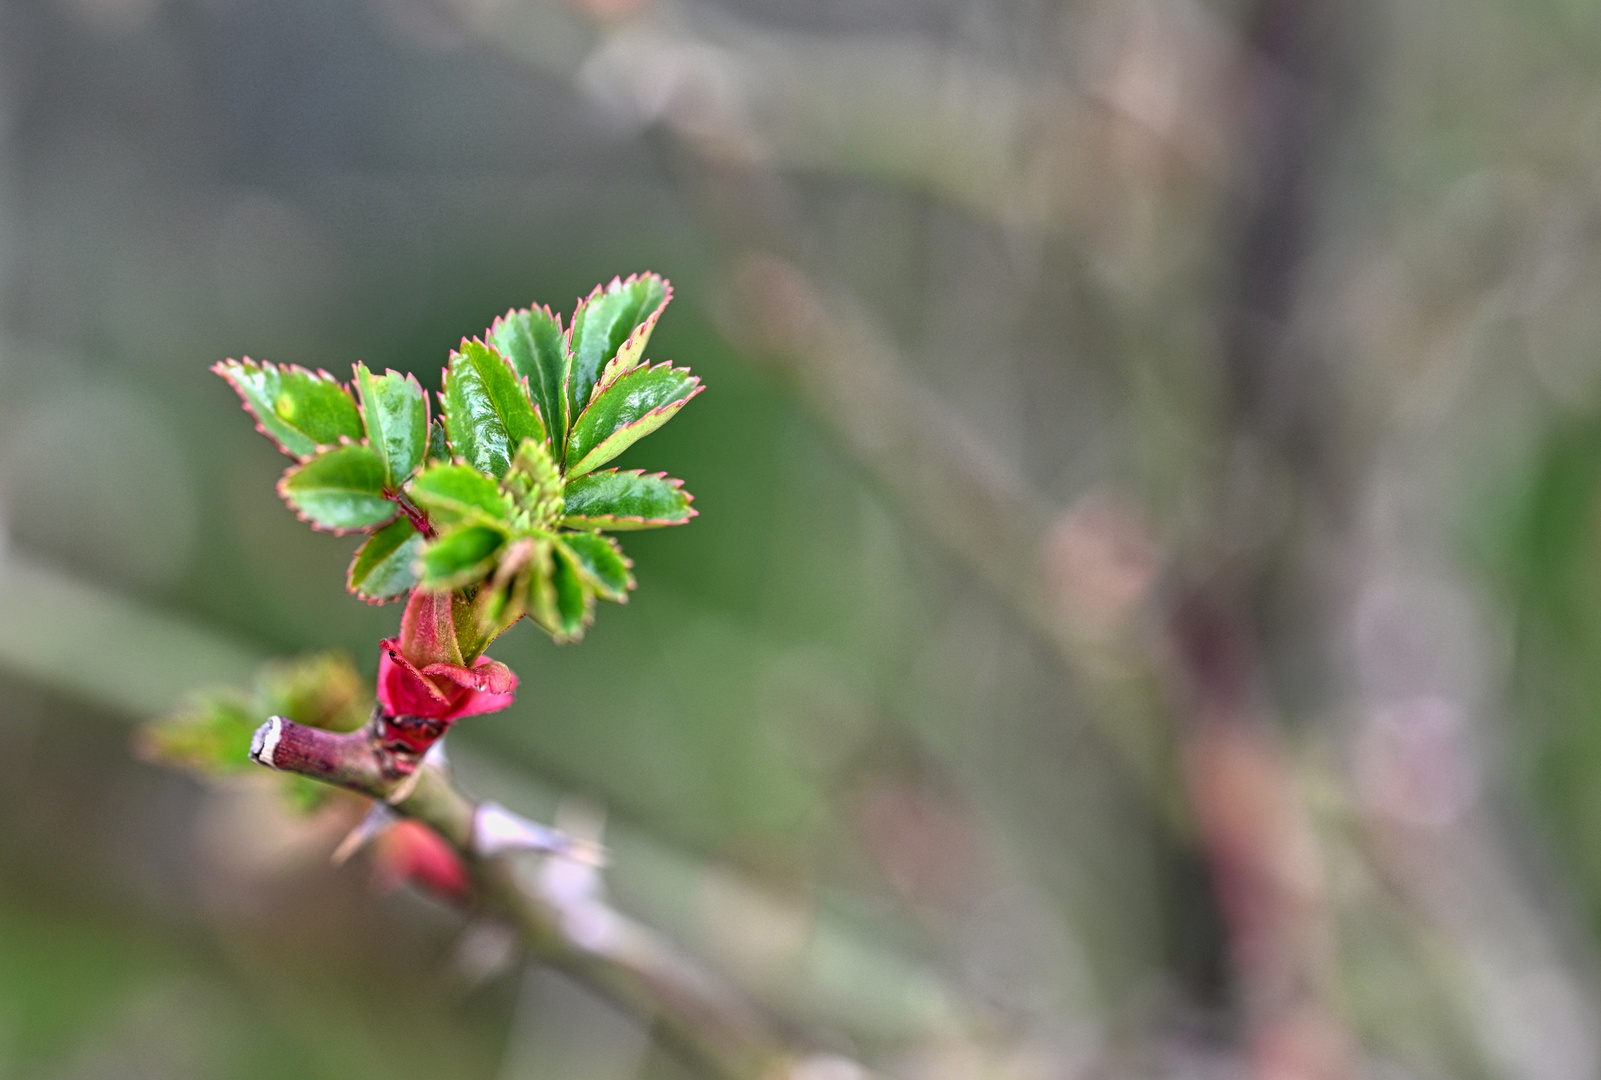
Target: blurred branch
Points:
(95, 645)
(144, 661)
(563, 919)
(903, 109)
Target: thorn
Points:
(574, 884)
(436, 756)
(497, 830)
(404, 789)
(379, 818)
(584, 820)
(484, 950)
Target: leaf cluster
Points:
(501, 495)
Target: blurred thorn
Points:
(581, 818)
(484, 950)
(378, 819)
(497, 830)
(576, 887)
(827, 1067)
(437, 757)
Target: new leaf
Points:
(488, 412)
(459, 558)
(601, 564)
(634, 405)
(383, 568)
(396, 413)
(623, 313)
(533, 342)
(457, 493)
(299, 410)
(625, 500)
(339, 490)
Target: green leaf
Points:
(535, 486)
(298, 409)
(625, 500)
(634, 405)
(210, 735)
(459, 558)
(487, 408)
(610, 318)
(562, 603)
(395, 410)
(339, 490)
(383, 566)
(438, 445)
(500, 603)
(456, 493)
(321, 690)
(601, 563)
(541, 598)
(533, 342)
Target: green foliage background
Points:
(809, 695)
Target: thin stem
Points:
(414, 513)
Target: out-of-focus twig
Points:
(1021, 149)
(145, 660)
(52, 624)
(563, 918)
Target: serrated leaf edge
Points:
(279, 487)
(220, 368)
(594, 524)
(615, 370)
(444, 388)
(567, 342)
(427, 418)
(619, 283)
(579, 469)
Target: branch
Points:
(559, 910)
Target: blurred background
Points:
(1145, 614)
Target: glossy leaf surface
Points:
(459, 558)
(533, 342)
(487, 408)
(603, 322)
(383, 568)
(631, 353)
(438, 445)
(339, 490)
(457, 493)
(625, 500)
(601, 563)
(298, 409)
(633, 406)
(395, 410)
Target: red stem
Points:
(415, 514)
